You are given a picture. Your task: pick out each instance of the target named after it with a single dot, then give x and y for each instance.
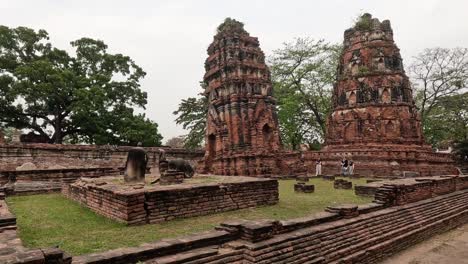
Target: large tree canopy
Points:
(303, 73)
(89, 97)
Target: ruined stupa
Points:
(242, 134)
(372, 98)
(374, 119)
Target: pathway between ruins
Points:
(451, 247)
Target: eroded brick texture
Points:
(374, 121)
(372, 98)
(139, 204)
(343, 234)
(242, 128)
(58, 156)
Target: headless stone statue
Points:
(174, 165)
(135, 167)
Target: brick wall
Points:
(46, 156)
(403, 191)
(55, 175)
(375, 231)
(387, 162)
(139, 205)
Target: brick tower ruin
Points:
(242, 134)
(372, 98)
(374, 120)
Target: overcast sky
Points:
(168, 39)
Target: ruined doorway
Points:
(211, 146)
(267, 136)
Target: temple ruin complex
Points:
(374, 121)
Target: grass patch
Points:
(51, 219)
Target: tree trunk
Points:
(58, 138)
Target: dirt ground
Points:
(448, 248)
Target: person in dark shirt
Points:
(344, 166)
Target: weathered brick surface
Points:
(242, 134)
(342, 184)
(374, 120)
(344, 234)
(372, 99)
(55, 175)
(46, 156)
(139, 205)
(303, 187)
(400, 192)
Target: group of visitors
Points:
(347, 167)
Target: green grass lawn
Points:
(51, 219)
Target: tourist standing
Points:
(344, 166)
(351, 167)
(318, 167)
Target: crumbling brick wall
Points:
(370, 233)
(56, 156)
(138, 205)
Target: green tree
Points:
(303, 73)
(88, 97)
(437, 73)
(191, 114)
(447, 122)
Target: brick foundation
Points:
(138, 204)
(345, 234)
(50, 156)
(303, 187)
(342, 184)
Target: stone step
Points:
(363, 224)
(430, 211)
(185, 257)
(392, 233)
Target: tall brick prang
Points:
(372, 98)
(374, 121)
(242, 126)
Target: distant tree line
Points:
(89, 97)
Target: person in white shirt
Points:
(351, 167)
(318, 167)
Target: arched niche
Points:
(386, 97)
(211, 146)
(390, 130)
(352, 98)
(267, 133)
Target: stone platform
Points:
(425, 187)
(385, 161)
(144, 203)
